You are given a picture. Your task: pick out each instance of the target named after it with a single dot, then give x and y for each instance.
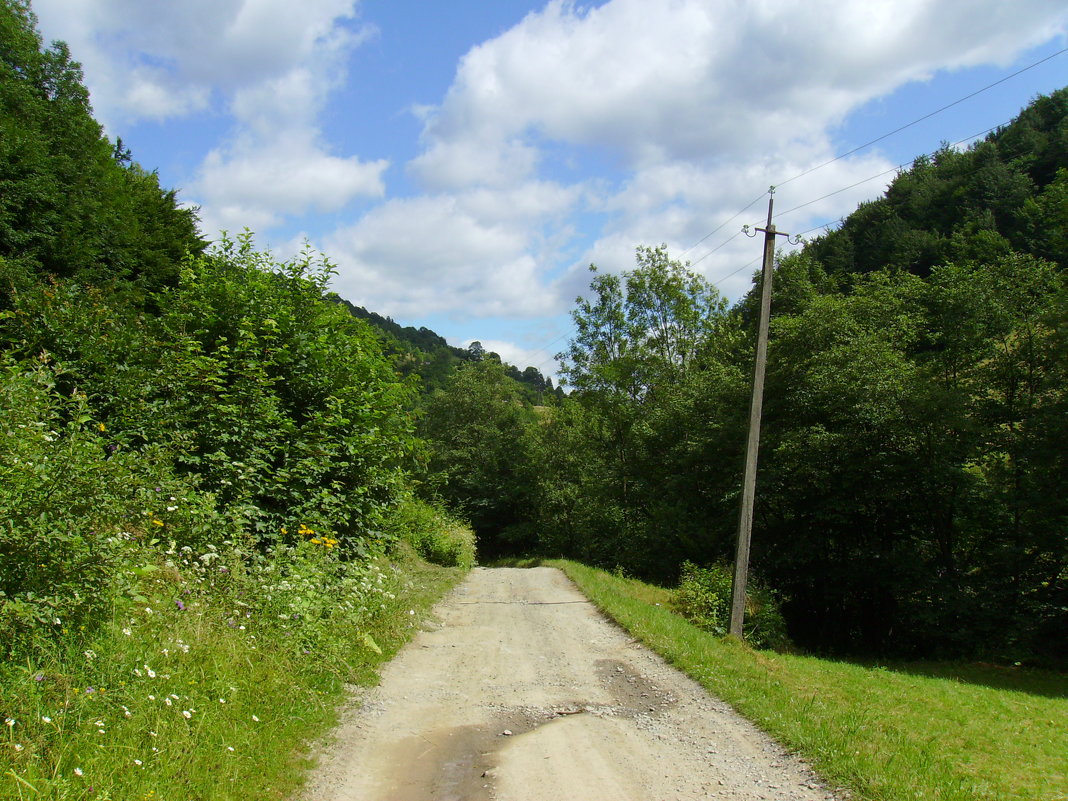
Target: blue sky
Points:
(462, 162)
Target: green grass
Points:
(203, 702)
(908, 732)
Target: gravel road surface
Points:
(525, 692)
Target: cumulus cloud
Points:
(696, 100)
(269, 65)
(474, 254)
(258, 185)
(184, 56)
(691, 78)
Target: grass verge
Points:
(217, 697)
(909, 732)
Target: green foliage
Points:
(475, 431)
(209, 684)
(421, 353)
(71, 503)
(279, 402)
(435, 535)
(642, 340)
(68, 205)
(704, 597)
(999, 195)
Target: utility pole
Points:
(752, 443)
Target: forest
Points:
(910, 497)
(911, 489)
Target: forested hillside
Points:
(911, 494)
(425, 354)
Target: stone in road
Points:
(526, 692)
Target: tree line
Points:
(911, 491)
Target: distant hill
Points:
(422, 352)
(1008, 192)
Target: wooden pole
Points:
(752, 443)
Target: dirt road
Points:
(526, 692)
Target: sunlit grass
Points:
(909, 732)
(191, 701)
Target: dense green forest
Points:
(911, 492)
(911, 488)
(425, 354)
(158, 393)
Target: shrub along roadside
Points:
(211, 685)
(435, 535)
(704, 598)
(910, 732)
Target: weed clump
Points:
(435, 535)
(704, 598)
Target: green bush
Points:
(704, 597)
(434, 534)
(278, 401)
(74, 502)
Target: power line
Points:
(898, 168)
(868, 144)
(924, 117)
(735, 216)
(717, 247)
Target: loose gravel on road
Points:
(523, 691)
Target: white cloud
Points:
(692, 96)
(475, 254)
(693, 79)
(255, 185)
(269, 64)
(181, 55)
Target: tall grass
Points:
(894, 732)
(211, 687)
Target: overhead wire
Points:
(924, 117)
(871, 142)
(839, 157)
(719, 227)
(896, 169)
